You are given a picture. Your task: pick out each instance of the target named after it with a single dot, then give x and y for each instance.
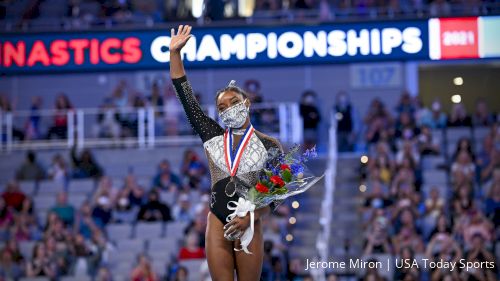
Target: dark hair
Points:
(31, 156)
(232, 88)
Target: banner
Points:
(445, 38)
(464, 38)
(214, 47)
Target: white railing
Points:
(143, 127)
(323, 241)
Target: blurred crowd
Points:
(117, 115)
(134, 11)
(74, 240)
(408, 210)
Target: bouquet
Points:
(284, 175)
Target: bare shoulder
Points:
(269, 141)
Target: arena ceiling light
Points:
(458, 81)
(456, 98)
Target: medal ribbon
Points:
(233, 161)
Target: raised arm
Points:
(202, 124)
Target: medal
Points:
(233, 160)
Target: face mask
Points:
(235, 116)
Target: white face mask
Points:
(235, 116)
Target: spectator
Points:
(13, 196)
(59, 171)
(406, 105)
(463, 165)
(32, 130)
(311, 117)
(405, 126)
(482, 116)
(377, 238)
(41, 265)
(436, 118)
(102, 211)
(63, 209)
(105, 189)
(108, 121)
(427, 143)
(378, 121)
(477, 225)
(459, 116)
(143, 271)
(129, 199)
(81, 253)
(439, 8)
(60, 127)
(30, 169)
(182, 211)
(165, 179)
(406, 253)
(181, 274)
(85, 166)
(478, 254)
(193, 169)
(492, 205)
(84, 223)
(154, 209)
(347, 122)
(103, 274)
(192, 249)
(7, 107)
(9, 268)
(6, 219)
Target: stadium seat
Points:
(123, 259)
(456, 133)
(119, 231)
(49, 187)
(28, 187)
(44, 201)
(159, 266)
(147, 230)
(480, 133)
(81, 186)
(34, 279)
(431, 162)
(76, 200)
(193, 267)
(75, 278)
(434, 177)
(26, 248)
(132, 245)
(175, 230)
(163, 246)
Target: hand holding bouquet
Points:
(284, 175)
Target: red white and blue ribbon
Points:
(233, 160)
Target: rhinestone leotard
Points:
(211, 133)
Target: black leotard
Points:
(211, 134)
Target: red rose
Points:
(277, 180)
(262, 188)
(285, 167)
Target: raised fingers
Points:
(179, 30)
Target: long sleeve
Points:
(202, 124)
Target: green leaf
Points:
(286, 175)
(280, 191)
(268, 173)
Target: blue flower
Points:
(296, 168)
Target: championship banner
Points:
(214, 47)
(437, 39)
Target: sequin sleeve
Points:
(202, 124)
